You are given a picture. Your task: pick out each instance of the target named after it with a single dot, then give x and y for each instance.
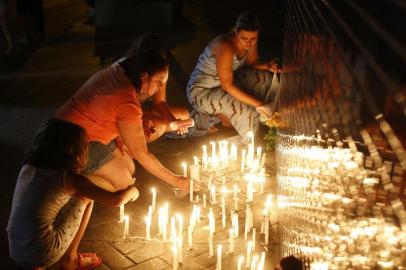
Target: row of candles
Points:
(251, 173)
(330, 209)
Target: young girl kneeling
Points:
(52, 204)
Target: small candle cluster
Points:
(232, 183)
(338, 208)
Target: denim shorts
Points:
(99, 154)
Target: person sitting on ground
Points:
(290, 263)
(108, 107)
(236, 99)
(52, 203)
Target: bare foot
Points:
(85, 260)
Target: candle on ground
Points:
(180, 225)
(235, 197)
(246, 228)
(231, 240)
(253, 238)
(261, 264)
(212, 222)
(173, 229)
(266, 230)
(213, 199)
(254, 263)
(195, 160)
(249, 249)
(126, 226)
(234, 221)
(180, 251)
(175, 257)
(243, 160)
(223, 208)
(240, 261)
(190, 236)
(219, 250)
(210, 245)
(184, 166)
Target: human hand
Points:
(181, 126)
(183, 183)
(265, 112)
(273, 66)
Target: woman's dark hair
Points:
(58, 145)
(291, 263)
(247, 21)
(145, 55)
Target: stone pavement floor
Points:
(59, 66)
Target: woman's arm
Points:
(133, 138)
(80, 185)
(224, 53)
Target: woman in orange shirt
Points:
(108, 107)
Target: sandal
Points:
(94, 260)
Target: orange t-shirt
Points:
(106, 98)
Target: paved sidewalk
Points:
(53, 73)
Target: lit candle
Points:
(190, 236)
(210, 245)
(219, 250)
(198, 214)
(180, 251)
(175, 257)
(243, 160)
(249, 248)
(126, 226)
(212, 222)
(247, 223)
(153, 199)
(165, 221)
(234, 221)
(191, 189)
(263, 159)
(184, 166)
(213, 199)
(231, 240)
(197, 198)
(259, 153)
(240, 261)
(195, 160)
(209, 182)
(234, 151)
(160, 220)
(254, 262)
(204, 201)
(121, 213)
(262, 262)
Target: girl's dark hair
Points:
(247, 21)
(144, 55)
(291, 263)
(58, 145)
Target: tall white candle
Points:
(254, 263)
(197, 199)
(240, 261)
(121, 213)
(259, 153)
(191, 189)
(195, 160)
(235, 224)
(153, 190)
(249, 249)
(190, 236)
(173, 229)
(204, 158)
(160, 220)
(126, 226)
(175, 257)
(251, 135)
(250, 192)
(246, 228)
(184, 166)
(180, 250)
(263, 160)
(219, 250)
(213, 199)
(243, 160)
(262, 261)
(212, 222)
(213, 151)
(210, 245)
(231, 240)
(180, 225)
(204, 201)
(223, 209)
(235, 197)
(147, 228)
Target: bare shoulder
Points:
(223, 44)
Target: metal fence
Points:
(341, 146)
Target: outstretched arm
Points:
(80, 185)
(224, 53)
(133, 138)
